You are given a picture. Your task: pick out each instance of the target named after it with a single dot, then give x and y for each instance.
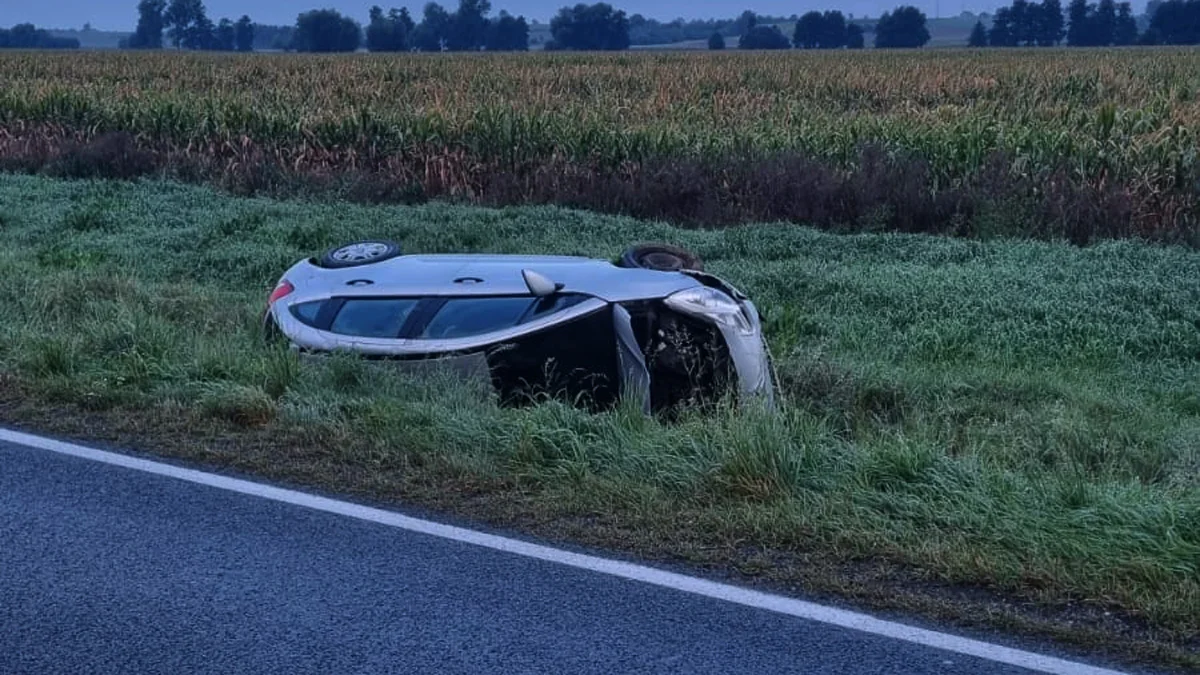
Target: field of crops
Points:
(1013, 141)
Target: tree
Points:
(590, 27)
(468, 26)
(764, 37)
(1125, 32)
(833, 30)
(201, 34)
(854, 37)
(243, 34)
(979, 36)
(808, 30)
(225, 36)
(747, 20)
(185, 20)
(1105, 27)
(1048, 28)
(716, 41)
(390, 32)
(1001, 33)
(1174, 22)
(1079, 30)
(326, 30)
(508, 34)
(149, 31)
(430, 35)
(903, 28)
(28, 36)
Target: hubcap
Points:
(359, 252)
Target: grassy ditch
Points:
(1012, 427)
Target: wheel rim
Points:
(662, 260)
(360, 252)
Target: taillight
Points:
(280, 291)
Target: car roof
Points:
(486, 274)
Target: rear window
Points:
(373, 317)
(466, 317)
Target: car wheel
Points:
(359, 253)
(662, 257)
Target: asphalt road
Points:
(104, 569)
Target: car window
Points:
(554, 303)
(307, 311)
(465, 317)
(373, 317)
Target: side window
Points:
(466, 317)
(307, 311)
(553, 303)
(373, 317)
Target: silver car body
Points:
(605, 285)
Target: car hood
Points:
(449, 274)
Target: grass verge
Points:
(1001, 433)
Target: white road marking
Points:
(680, 582)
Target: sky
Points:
(122, 14)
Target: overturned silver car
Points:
(653, 325)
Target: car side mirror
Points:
(539, 285)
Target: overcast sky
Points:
(122, 14)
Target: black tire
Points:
(357, 253)
(661, 257)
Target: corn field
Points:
(1102, 118)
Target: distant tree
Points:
(243, 34)
(326, 30)
(979, 36)
(202, 34)
(854, 37)
(1048, 28)
(507, 34)
(716, 41)
(181, 18)
(388, 33)
(1079, 28)
(1174, 22)
(764, 37)
(149, 31)
(590, 27)
(28, 36)
(1104, 29)
(1125, 32)
(747, 20)
(468, 26)
(809, 27)
(225, 36)
(273, 37)
(430, 34)
(902, 28)
(833, 30)
(1002, 33)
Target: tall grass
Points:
(1121, 123)
(1013, 414)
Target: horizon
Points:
(121, 15)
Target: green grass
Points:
(1015, 416)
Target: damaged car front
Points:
(576, 328)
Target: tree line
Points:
(903, 28)
(28, 36)
(187, 26)
(1101, 24)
